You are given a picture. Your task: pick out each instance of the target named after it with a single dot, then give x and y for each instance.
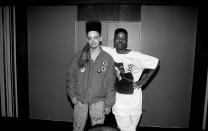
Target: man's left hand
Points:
(107, 111)
(136, 86)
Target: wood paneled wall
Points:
(109, 12)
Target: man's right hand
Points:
(74, 100)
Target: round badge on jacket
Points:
(82, 69)
(98, 70)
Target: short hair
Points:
(121, 30)
(93, 25)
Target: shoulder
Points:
(107, 56)
(108, 49)
(137, 54)
(76, 56)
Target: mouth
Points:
(118, 44)
(92, 43)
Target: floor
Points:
(33, 124)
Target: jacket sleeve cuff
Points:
(70, 92)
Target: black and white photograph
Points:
(103, 65)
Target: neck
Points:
(122, 51)
(94, 53)
(95, 50)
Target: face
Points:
(120, 40)
(94, 39)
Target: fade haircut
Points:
(121, 30)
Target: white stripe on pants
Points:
(127, 123)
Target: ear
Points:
(101, 38)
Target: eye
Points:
(93, 38)
(96, 37)
(122, 39)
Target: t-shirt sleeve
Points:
(147, 61)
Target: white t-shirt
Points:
(134, 62)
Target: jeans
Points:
(81, 113)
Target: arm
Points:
(147, 76)
(108, 84)
(71, 80)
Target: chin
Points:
(94, 47)
(119, 48)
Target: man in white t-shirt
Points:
(129, 67)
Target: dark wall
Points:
(169, 33)
(22, 61)
(199, 91)
(50, 51)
